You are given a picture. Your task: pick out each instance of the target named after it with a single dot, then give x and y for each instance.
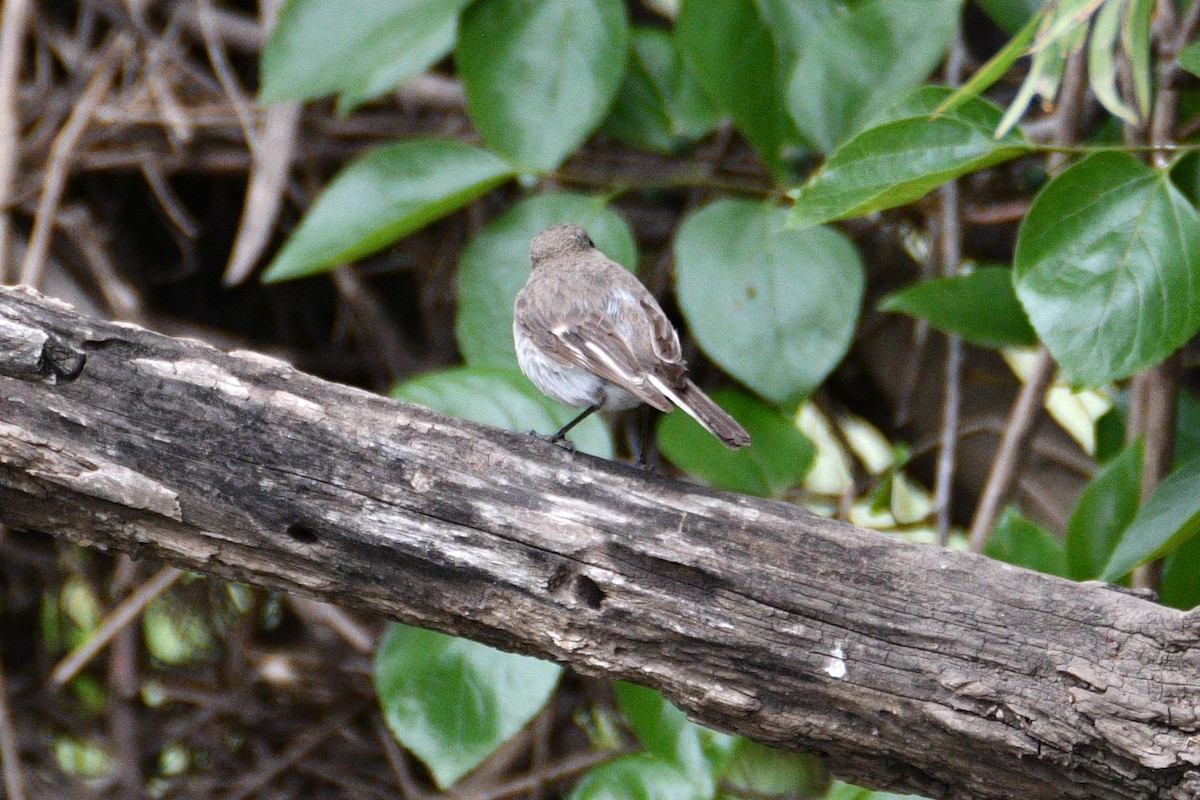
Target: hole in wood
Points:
(302, 533)
(587, 591)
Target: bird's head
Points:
(558, 240)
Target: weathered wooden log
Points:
(908, 667)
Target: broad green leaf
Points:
(451, 701)
(1017, 540)
(698, 752)
(1105, 268)
(776, 308)
(980, 306)
(495, 264)
(862, 60)
(1102, 62)
(1189, 58)
(382, 197)
(540, 75)
(638, 776)
(1011, 15)
(757, 771)
(995, 67)
(778, 459)
(360, 48)
(505, 399)
(733, 51)
(1168, 519)
(660, 105)
(1180, 584)
(1105, 508)
(903, 157)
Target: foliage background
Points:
(888, 281)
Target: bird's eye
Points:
(589, 240)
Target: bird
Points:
(589, 335)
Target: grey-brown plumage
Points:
(589, 335)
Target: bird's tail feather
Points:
(711, 416)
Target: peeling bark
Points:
(907, 666)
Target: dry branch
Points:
(906, 666)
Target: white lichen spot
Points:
(421, 481)
(835, 665)
(260, 359)
(120, 485)
(296, 406)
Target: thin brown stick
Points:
(1014, 445)
(122, 614)
(14, 20)
(409, 790)
(10, 755)
(60, 158)
(950, 247)
(567, 768)
(254, 782)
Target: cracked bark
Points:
(907, 666)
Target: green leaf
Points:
(495, 264)
(383, 196)
(638, 776)
(1187, 428)
(1189, 58)
(698, 752)
(360, 48)
(903, 157)
(660, 106)
(1180, 584)
(505, 399)
(1168, 519)
(758, 771)
(1135, 41)
(995, 67)
(846, 791)
(451, 701)
(540, 75)
(1010, 15)
(1104, 268)
(1017, 540)
(733, 51)
(862, 60)
(1105, 508)
(980, 306)
(776, 308)
(1102, 66)
(780, 458)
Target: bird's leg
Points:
(641, 440)
(559, 437)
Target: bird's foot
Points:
(559, 439)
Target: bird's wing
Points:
(592, 342)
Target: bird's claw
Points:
(555, 439)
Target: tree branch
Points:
(907, 666)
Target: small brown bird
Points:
(589, 335)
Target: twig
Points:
(14, 19)
(255, 781)
(950, 241)
(1014, 445)
(271, 153)
(60, 158)
(567, 768)
(121, 615)
(10, 754)
(409, 790)
(316, 612)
